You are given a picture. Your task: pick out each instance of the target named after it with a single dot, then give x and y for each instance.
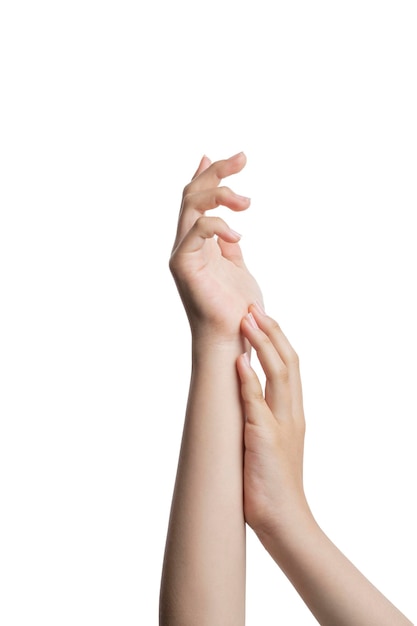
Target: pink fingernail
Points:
(235, 233)
(245, 198)
(236, 155)
(251, 320)
(258, 306)
(246, 359)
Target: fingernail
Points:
(246, 359)
(245, 198)
(258, 306)
(251, 320)
(235, 233)
(236, 155)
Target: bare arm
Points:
(203, 579)
(335, 591)
(204, 573)
(275, 505)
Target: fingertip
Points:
(257, 307)
(238, 160)
(243, 363)
(238, 155)
(250, 322)
(246, 360)
(243, 200)
(235, 235)
(203, 165)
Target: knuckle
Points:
(301, 423)
(299, 427)
(201, 223)
(187, 190)
(172, 264)
(293, 358)
(274, 327)
(219, 168)
(218, 222)
(281, 373)
(187, 199)
(207, 226)
(264, 341)
(252, 391)
(256, 396)
(223, 191)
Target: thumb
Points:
(256, 409)
(204, 164)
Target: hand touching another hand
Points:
(203, 579)
(214, 284)
(275, 506)
(275, 426)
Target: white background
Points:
(106, 110)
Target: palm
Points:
(207, 263)
(216, 286)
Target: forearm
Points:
(203, 579)
(331, 586)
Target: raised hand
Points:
(207, 263)
(203, 579)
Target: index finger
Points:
(212, 175)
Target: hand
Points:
(274, 501)
(214, 284)
(274, 429)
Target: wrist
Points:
(214, 358)
(206, 339)
(297, 523)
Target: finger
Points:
(255, 408)
(287, 353)
(208, 199)
(232, 252)
(204, 164)
(277, 393)
(196, 204)
(206, 228)
(214, 173)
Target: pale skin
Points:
(275, 504)
(203, 580)
(241, 457)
